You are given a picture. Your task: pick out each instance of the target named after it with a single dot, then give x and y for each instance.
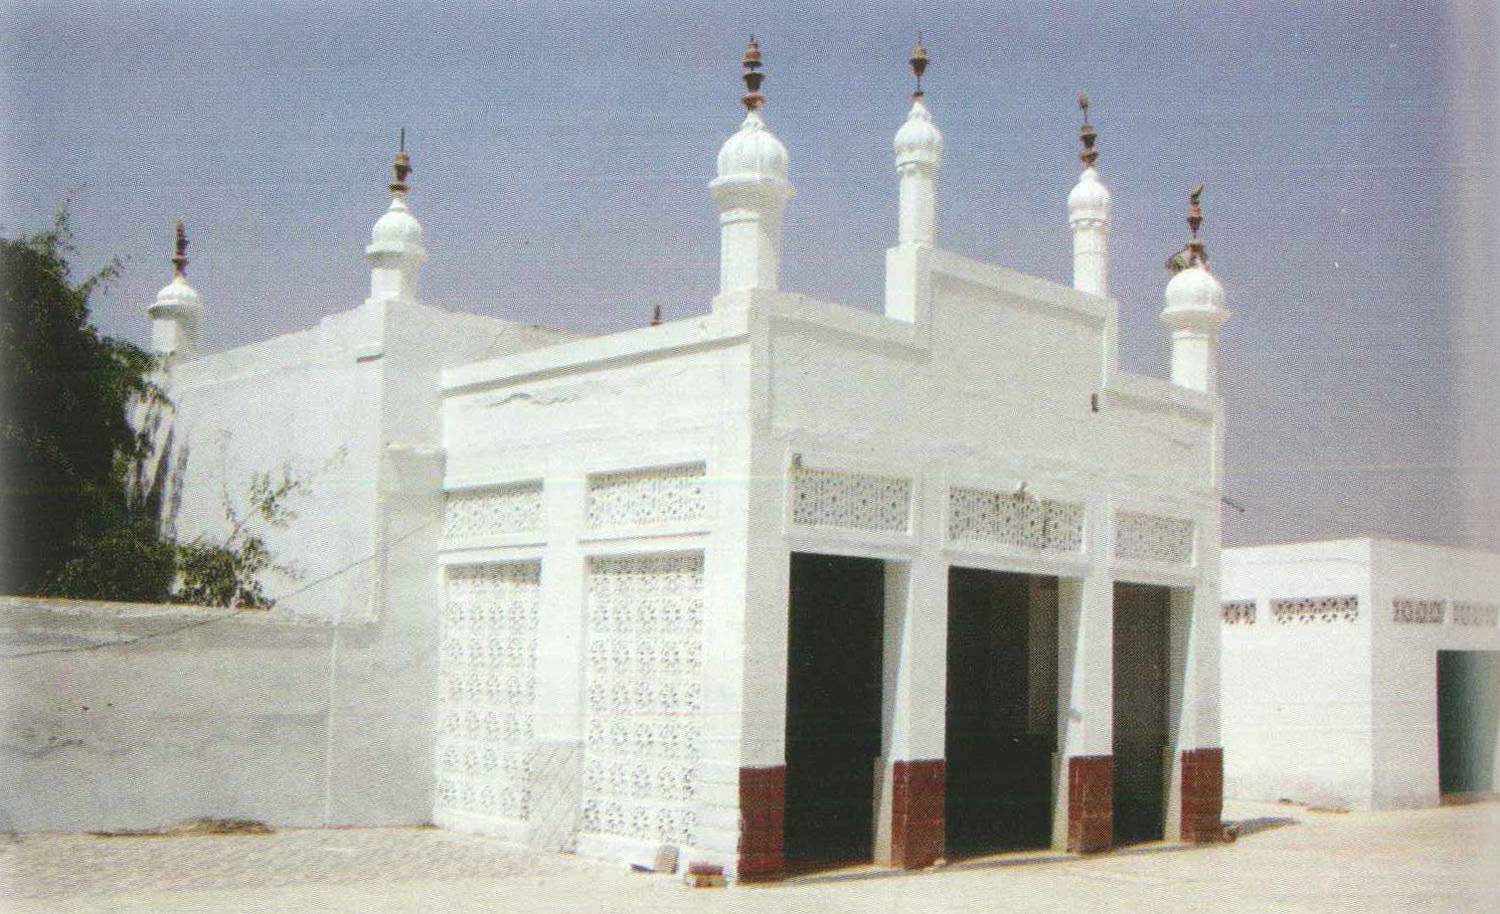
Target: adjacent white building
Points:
(1360, 673)
(783, 582)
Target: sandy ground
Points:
(1288, 859)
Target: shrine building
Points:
(780, 584)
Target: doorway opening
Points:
(1468, 699)
(1142, 617)
(1001, 730)
(835, 625)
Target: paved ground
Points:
(1289, 859)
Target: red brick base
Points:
(1091, 803)
(1202, 795)
(917, 797)
(762, 818)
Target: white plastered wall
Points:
(1404, 659)
(675, 395)
(1296, 695)
(1336, 713)
(318, 712)
(308, 402)
(988, 379)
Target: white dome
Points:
(1195, 296)
(753, 152)
(1089, 198)
(919, 140)
(397, 229)
(177, 294)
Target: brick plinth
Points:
(1091, 803)
(762, 824)
(917, 796)
(1202, 795)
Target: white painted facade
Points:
(777, 423)
(575, 552)
(1329, 666)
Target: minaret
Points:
(1195, 310)
(177, 313)
(1088, 213)
(919, 153)
(752, 191)
(395, 251)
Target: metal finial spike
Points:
(180, 258)
(919, 61)
(1198, 252)
(1090, 155)
(402, 166)
(1195, 210)
(753, 77)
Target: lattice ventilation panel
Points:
(1005, 519)
(1408, 611)
(864, 502)
(493, 511)
(637, 498)
(1315, 609)
(1471, 612)
(1153, 538)
(486, 689)
(1237, 612)
(644, 696)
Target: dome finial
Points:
(402, 166)
(753, 77)
(919, 61)
(1089, 155)
(180, 258)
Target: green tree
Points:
(67, 444)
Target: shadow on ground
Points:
(1245, 827)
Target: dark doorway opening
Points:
(833, 714)
(1468, 699)
(1002, 711)
(1141, 620)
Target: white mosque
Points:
(779, 584)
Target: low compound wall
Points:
(116, 716)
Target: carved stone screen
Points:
(1153, 538)
(487, 682)
(492, 510)
(851, 501)
(1003, 518)
(644, 696)
(657, 495)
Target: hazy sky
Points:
(562, 152)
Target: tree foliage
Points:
(228, 573)
(76, 519)
(66, 439)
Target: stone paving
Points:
(44, 866)
(1289, 859)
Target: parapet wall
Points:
(116, 716)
